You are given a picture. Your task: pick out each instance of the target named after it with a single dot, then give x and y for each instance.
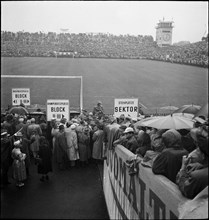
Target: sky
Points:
(115, 17)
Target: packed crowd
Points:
(101, 45)
(179, 155)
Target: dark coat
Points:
(192, 182)
(45, 154)
(168, 162)
(60, 151)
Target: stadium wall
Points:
(140, 196)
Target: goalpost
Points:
(53, 77)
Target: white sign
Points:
(128, 107)
(20, 95)
(58, 109)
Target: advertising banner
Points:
(20, 95)
(58, 109)
(143, 195)
(128, 107)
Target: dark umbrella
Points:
(18, 110)
(203, 111)
(190, 109)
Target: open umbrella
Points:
(169, 122)
(170, 108)
(190, 109)
(203, 111)
(18, 110)
(140, 123)
(186, 115)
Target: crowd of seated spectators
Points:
(100, 45)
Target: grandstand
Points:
(100, 45)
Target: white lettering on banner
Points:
(142, 196)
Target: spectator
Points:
(193, 175)
(98, 137)
(128, 140)
(19, 171)
(60, 151)
(45, 159)
(25, 145)
(168, 162)
(83, 146)
(6, 160)
(144, 144)
(72, 143)
(34, 131)
(98, 110)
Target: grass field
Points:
(154, 83)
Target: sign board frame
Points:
(55, 109)
(126, 106)
(20, 95)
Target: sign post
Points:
(20, 95)
(58, 109)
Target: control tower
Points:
(164, 33)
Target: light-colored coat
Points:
(72, 144)
(98, 137)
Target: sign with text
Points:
(128, 107)
(58, 109)
(20, 95)
(140, 196)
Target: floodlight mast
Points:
(52, 77)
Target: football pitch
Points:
(154, 83)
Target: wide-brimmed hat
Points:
(18, 134)
(129, 130)
(4, 133)
(21, 119)
(33, 120)
(73, 127)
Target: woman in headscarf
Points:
(169, 161)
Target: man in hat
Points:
(34, 132)
(9, 124)
(6, 160)
(193, 175)
(60, 151)
(131, 143)
(110, 131)
(98, 110)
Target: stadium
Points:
(97, 125)
(123, 72)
